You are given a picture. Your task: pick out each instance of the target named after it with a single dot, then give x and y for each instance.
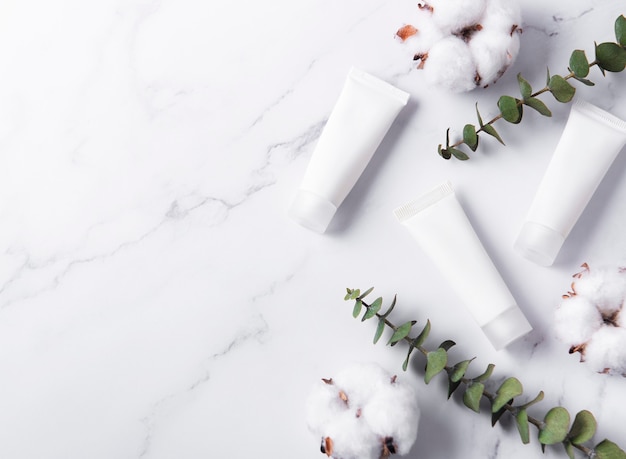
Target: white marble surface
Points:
(155, 300)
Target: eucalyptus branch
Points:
(609, 57)
(555, 427)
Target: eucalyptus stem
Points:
(555, 428)
(609, 57)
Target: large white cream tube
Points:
(591, 140)
(442, 230)
(357, 124)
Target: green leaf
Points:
(585, 81)
(620, 30)
(555, 426)
(373, 309)
(458, 154)
(537, 399)
(447, 344)
(469, 136)
(608, 450)
(524, 86)
(583, 429)
(435, 362)
(507, 391)
(472, 396)
(480, 119)
(452, 386)
(579, 64)
(538, 105)
(522, 426)
(401, 332)
(569, 449)
(357, 308)
(348, 294)
(486, 375)
(444, 153)
(561, 89)
(354, 294)
(393, 305)
(367, 292)
(548, 76)
(611, 57)
(489, 129)
(405, 365)
(510, 109)
(379, 330)
(423, 335)
(459, 370)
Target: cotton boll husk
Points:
(576, 319)
(401, 422)
(603, 287)
(606, 351)
(427, 33)
(502, 15)
(493, 52)
(450, 65)
(453, 15)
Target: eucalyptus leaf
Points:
(459, 370)
(510, 109)
(555, 426)
(569, 450)
(480, 119)
(393, 305)
(379, 330)
(452, 386)
(538, 105)
(524, 86)
(354, 294)
(584, 427)
(608, 450)
(373, 309)
(458, 154)
(447, 344)
(405, 365)
(489, 129)
(611, 57)
(522, 426)
(579, 64)
(366, 292)
(472, 396)
(561, 89)
(469, 136)
(423, 335)
(435, 363)
(486, 375)
(358, 304)
(401, 332)
(620, 30)
(495, 417)
(507, 391)
(585, 81)
(444, 152)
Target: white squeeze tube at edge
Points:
(590, 142)
(362, 115)
(442, 230)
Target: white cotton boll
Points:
(606, 352)
(490, 51)
(450, 65)
(502, 16)
(576, 320)
(362, 411)
(604, 287)
(453, 15)
(400, 424)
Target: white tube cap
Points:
(538, 243)
(507, 327)
(312, 211)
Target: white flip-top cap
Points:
(312, 211)
(538, 243)
(507, 327)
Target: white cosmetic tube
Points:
(441, 228)
(366, 108)
(591, 140)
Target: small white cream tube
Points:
(441, 228)
(591, 140)
(366, 108)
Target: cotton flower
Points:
(591, 319)
(363, 413)
(463, 44)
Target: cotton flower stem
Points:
(553, 429)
